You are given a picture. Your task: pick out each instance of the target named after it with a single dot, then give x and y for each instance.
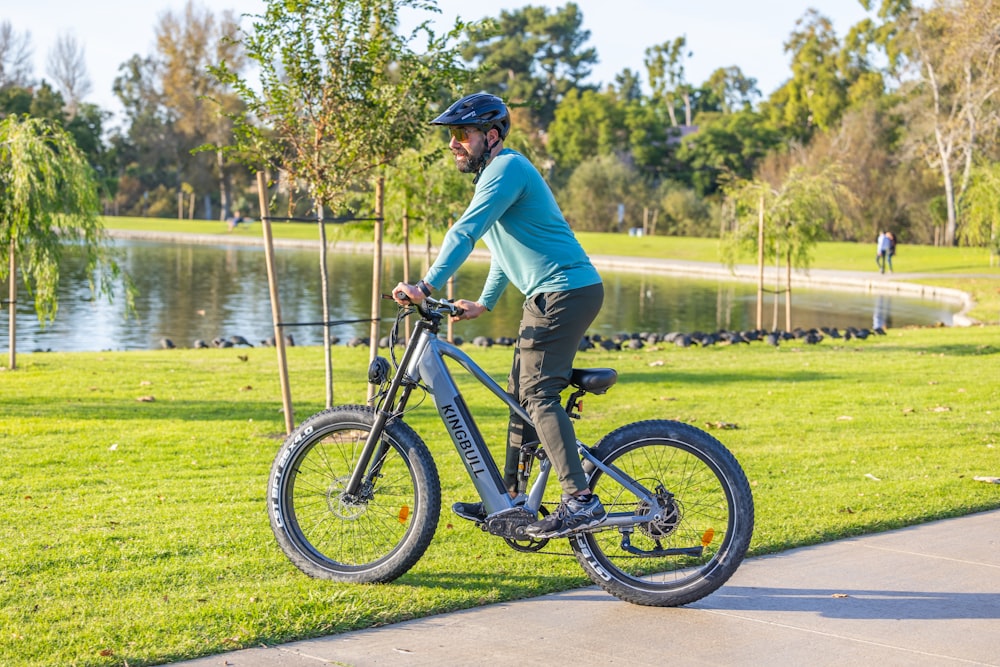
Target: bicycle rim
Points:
(706, 528)
(334, 535)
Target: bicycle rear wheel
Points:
(696, 544)
(374, 537)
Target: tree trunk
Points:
(376, 276)
(325, 289)
(406, 265)
(760, 265)
(451, 295)
(949, 196)
(224, 198)
(427, 250)
(777, 290)
(788, 289)
(272, 283)
(12, 360)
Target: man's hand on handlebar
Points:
(412, 293)
(471, 309)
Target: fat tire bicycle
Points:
(354, 493)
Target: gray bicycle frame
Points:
(427, 364)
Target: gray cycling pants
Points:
(552, 326)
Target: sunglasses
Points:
(461, 133)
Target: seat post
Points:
(574, 405)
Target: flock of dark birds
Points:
(232, 341)
(622, 341)
(637, 341)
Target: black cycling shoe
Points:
(470, 511)
(573, 515)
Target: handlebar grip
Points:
(402, 295)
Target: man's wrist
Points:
(424, 288)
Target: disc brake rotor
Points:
(339, 505)
(667, 522)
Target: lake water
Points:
(201, 292)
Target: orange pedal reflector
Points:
(707, 537)
(404, 513)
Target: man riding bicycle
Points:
(533, 247)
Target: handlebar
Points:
(430, 305)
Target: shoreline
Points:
(853, 281)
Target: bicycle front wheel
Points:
(373, 536)
(692, 547)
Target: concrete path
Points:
(925, 595)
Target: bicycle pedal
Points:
(509, 523)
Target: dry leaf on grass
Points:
(145, 399)
(723, 425)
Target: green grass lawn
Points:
(133, 483)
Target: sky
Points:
(720, 33)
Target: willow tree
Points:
(340, 94)
(981, 208)
(49, 200)
(784, 222)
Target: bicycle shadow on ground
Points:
(856, 604)
(516, 587)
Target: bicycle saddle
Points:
(594, 380)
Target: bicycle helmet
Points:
(481, 110)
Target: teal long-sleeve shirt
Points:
(531, 244)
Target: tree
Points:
(594, 192)
(586, 124)
(816, 95)
(149, 150)
(424, 189)
(726, 146)
(340, 95)
(15, 57)
(784, 221)
(731, 90)
(981, 208)
(531, 56)
(196, 102)
(627, 86)
(665, 67)
(683, 213)
(85, 126)
(68, 69)
(48, 199)
(956, 46)
(174, 107)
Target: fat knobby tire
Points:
(372, 540)
(713, 503)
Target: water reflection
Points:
(192, 292)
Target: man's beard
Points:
(465, 161)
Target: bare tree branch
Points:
(15, 57)
(68, 68)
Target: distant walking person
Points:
(891, 250)
(882, 251)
